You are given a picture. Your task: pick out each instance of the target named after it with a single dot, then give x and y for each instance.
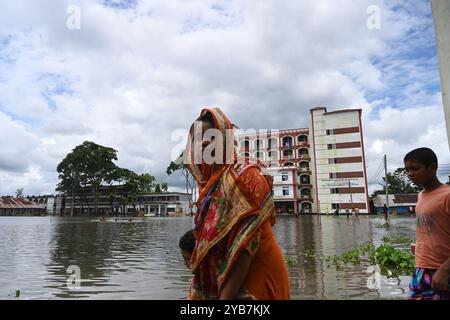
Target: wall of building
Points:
(339, 170)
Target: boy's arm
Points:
(441, 277)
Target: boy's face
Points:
(187, 258)
(418, 173)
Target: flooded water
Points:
(141, 259)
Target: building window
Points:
(335, 206)
(332, 161)
(333, 175)
(304, 180)
(259, 144)
(284, 177)
(330, 132)
(334, 190)
(331, 146)
(285, 191)
(273, 142)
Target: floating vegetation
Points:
(391, 261)
(397, 239)
(305, 256)
(290, 261)
(383, 225)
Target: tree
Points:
(123, 202)
(112, 199)
(88, 165)
(70, 171)
(398, 182)
(136, 184)
(181, 166)
(19, 193)
(158, 188)
(164, 187)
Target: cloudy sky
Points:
(133, 75)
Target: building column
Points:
(441, 14)
(294, 184)
(159, 210)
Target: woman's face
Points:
(206, 125)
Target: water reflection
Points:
(141, 259)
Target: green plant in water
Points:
(397, 239)
(290, 261)
(382, 225)
(392, 262)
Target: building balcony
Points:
(285, 198)
(304, 171)
(281, 182)
(302, 185)
(287, 146)
(304, 157)
(305, 198)
(302, 145)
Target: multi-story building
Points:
(339, 160)
(312, 168)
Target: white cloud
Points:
(129, 78)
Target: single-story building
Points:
(10, 206)
(398, 203)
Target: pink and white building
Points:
(316, 169)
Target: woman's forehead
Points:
(207, 125)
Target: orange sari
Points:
(235, 213)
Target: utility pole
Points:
(350, 190)
(386, 184)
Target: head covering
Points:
(206, 175)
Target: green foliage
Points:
(90, 165)
(392, 262)
(180, 165)
(398, 182)
(290, 261)
(19, 193)
(397, 239)
(383, 225)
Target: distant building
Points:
(53, 204)
(10, 206)
(114, 201)
(398, 203)
(339, 160)
(316, 169)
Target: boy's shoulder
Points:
(445, 190)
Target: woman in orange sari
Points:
(236, 255)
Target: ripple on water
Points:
(141, 260)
